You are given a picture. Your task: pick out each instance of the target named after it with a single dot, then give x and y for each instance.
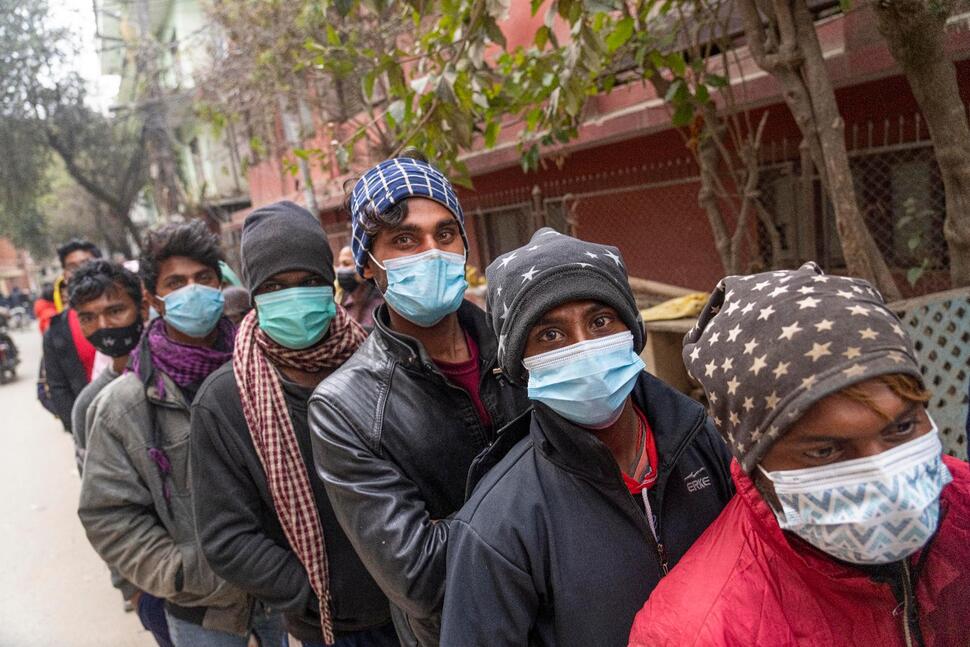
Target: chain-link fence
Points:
(651, 212)
(900, 193)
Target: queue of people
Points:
(368, 459)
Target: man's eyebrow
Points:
(905, 413)
(548, 320)
(403, 228)
(446, 222)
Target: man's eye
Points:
(822, 453)
(904, 428)
(312, 282)
(403, 240)
(602, 321)
(549, 335)
(447, 235)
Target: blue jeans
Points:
(267, 627)
(151, 612)
(381, 637)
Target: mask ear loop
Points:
(376, 262)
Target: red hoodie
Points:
(747, 582)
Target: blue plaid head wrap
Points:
(387, 184)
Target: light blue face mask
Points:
(426, 287)
(296, 318)
(586, 383)
(193, 310)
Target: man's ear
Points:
(153, 301)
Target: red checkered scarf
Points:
(269, 423)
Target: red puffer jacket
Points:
(746, 582)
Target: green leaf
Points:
(914, 273)
(332, 37)
(369, 79)
(683, 115)
(677, 64)
(716, 81)
(494, 32)
(492, 131)
(702, 95)
(542, 37)
(620, 35)
(673, 90)
(343, 6)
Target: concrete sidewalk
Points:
(54, 590)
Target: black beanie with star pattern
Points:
(768, 346)
(553, 269)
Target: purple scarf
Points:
(185, 364)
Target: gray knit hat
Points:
(282, 237)
(769, 346)
(553, 269)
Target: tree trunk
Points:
(916, 36)
(790, 51)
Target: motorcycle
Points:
(9, 355)
(18, 318)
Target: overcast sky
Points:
(79, 16)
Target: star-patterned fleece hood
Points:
(553, 269)
(768, 346)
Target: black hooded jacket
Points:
(393, 441)
(552, 549)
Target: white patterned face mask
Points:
(873, 510)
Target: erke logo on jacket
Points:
(698, 480)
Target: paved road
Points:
(54, 590)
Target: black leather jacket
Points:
(393, 441)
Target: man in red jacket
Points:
(848, 527)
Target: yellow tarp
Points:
(689, 305)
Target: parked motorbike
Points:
(19, 318)
(9, 355)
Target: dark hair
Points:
(97, 277)
(190, 239)
(75, 245)
(373, 221)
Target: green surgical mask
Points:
(296, 318)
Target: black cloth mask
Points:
(347, 279)
(116, 342)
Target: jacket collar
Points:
(674, 419)
(170, 394)
(409, 351)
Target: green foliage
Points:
(440, 77)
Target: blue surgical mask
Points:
(871, 510)
(296, 318)
(586, 383)
(193, 310)
(426, 287)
